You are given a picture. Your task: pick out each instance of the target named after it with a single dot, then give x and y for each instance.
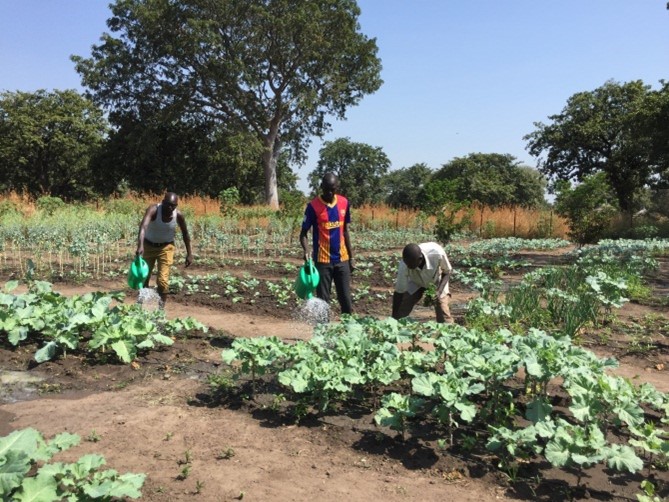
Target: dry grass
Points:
(515, 221)
(487, 222)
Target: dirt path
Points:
(149, 429)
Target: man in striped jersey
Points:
(328, 217)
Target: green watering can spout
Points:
(138, 273)
(307, 280)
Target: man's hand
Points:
(139, 251)
(189, 259)
(350, 264)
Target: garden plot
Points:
(178, 416)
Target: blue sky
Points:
(460, 76)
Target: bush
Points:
(124, 206)
(229, 200)
(49, 204)
(589, 207)
(8, 207)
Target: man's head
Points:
(170, 202)
(412, 256)
(329, 186)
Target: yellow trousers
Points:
(164, 255)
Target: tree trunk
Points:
(269, 160)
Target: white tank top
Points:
(158, 231)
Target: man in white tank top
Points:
(155, 241)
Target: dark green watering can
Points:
(307, 280)
(138, 273)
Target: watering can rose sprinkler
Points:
(307, 280)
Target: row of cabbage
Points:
(28, 474)
(501, 381)
(98, 323)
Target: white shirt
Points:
(436, 264)
(159, 231)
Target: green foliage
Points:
(607, 131)
(292, 203)
(47, 140)
(7, 207)
(25, 450)
(447, 224)
(127, 207)
(488, 179)
(463, 381)
(229, 199)
(49, 204)
(589, 207)
(66, 323)
(253, 65)
(405, 187)
(360, 168)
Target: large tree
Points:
(489, 179)
(405, 187)
(186, 157)
(359, 166)
(605, 130)
(276, 68)
(47, 140)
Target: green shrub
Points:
(8, 207)
(123, 206)
(229, 200)
(49, 204)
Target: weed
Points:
(226, 454)
(93, 437)
(185, 472)
(198, 486)
(221, 382)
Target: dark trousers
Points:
(403, 304)
(341, 274)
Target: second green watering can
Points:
(138, 273)
(307, 280)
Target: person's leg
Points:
(324, 288)
(165, 260)
(342, 280)
(407, 303)
(150, 255)
(442, 309)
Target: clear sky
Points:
(460, 76)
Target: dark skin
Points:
(169, 205)
(329, 187)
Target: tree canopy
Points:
(490, 179)
(275, 68)
(359, 166)
(46, 142)
(608, 130)
(405, 187)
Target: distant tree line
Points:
(59, 143)
(607, 151)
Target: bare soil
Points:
(154, 415)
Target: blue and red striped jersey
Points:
(327, 222)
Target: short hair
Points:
(411, 255)
(329, 180)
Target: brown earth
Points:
(150, 416)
